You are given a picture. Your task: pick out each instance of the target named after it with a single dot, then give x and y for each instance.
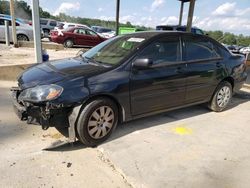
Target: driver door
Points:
(162, 85)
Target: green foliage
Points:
(230, 38)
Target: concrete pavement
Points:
(191, 147)
(187, 148)
(23, 163)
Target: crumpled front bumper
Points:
(19, 110)
(41, 115)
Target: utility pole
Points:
(13, 22)
(190, 15)
(36, 31)
(7, 33)
(117, 16)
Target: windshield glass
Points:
(112, 51)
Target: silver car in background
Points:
(24, 31)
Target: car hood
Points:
(59, 70)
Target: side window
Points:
(53, 23)
(2, 22)
(163, 50)
(198, 49)
(43, 22)
(10, 23)
(89, 32)
(80, 31)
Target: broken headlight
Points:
(41, 93)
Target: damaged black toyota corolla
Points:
(125, 78)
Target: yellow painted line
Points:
(182, 130)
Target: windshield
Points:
(114, 50)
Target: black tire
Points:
(216, 104)
(22, 37)
(68, 43)
(46, 33)
(83, 125)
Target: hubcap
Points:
(68, 43)
(223, 96)
(22, 38)
(101, 122)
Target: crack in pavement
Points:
(107, 161)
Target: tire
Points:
(222, 97)
(22, 37)
(97, 121)
(68, 43)
(46, 33)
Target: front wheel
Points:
(221, 97)
(97, 121)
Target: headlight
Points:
(41, 93)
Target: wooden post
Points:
(181, 13)
(117, 16)
(190, 15)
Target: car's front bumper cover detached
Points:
(43, 114)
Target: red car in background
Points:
(76, 36)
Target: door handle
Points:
(218, 64)
(179, 70)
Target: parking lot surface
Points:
(191, 147)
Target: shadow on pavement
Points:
(156, 120)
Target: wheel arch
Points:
(23, 34)
(230, 80)
(121, 111)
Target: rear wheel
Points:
(221, 97)
(46, 33)
(22, 37)
(97, 121)
(68, 43)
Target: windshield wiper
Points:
(92, 60)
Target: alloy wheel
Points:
(101, 122)
(22, 38)
(223, 96)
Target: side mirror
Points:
(142, 63)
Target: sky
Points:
(226, 15)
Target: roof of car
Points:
(149, 34)
(175, 26)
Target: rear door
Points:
(163, 85)
(204, 67)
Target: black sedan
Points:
(125, 78)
